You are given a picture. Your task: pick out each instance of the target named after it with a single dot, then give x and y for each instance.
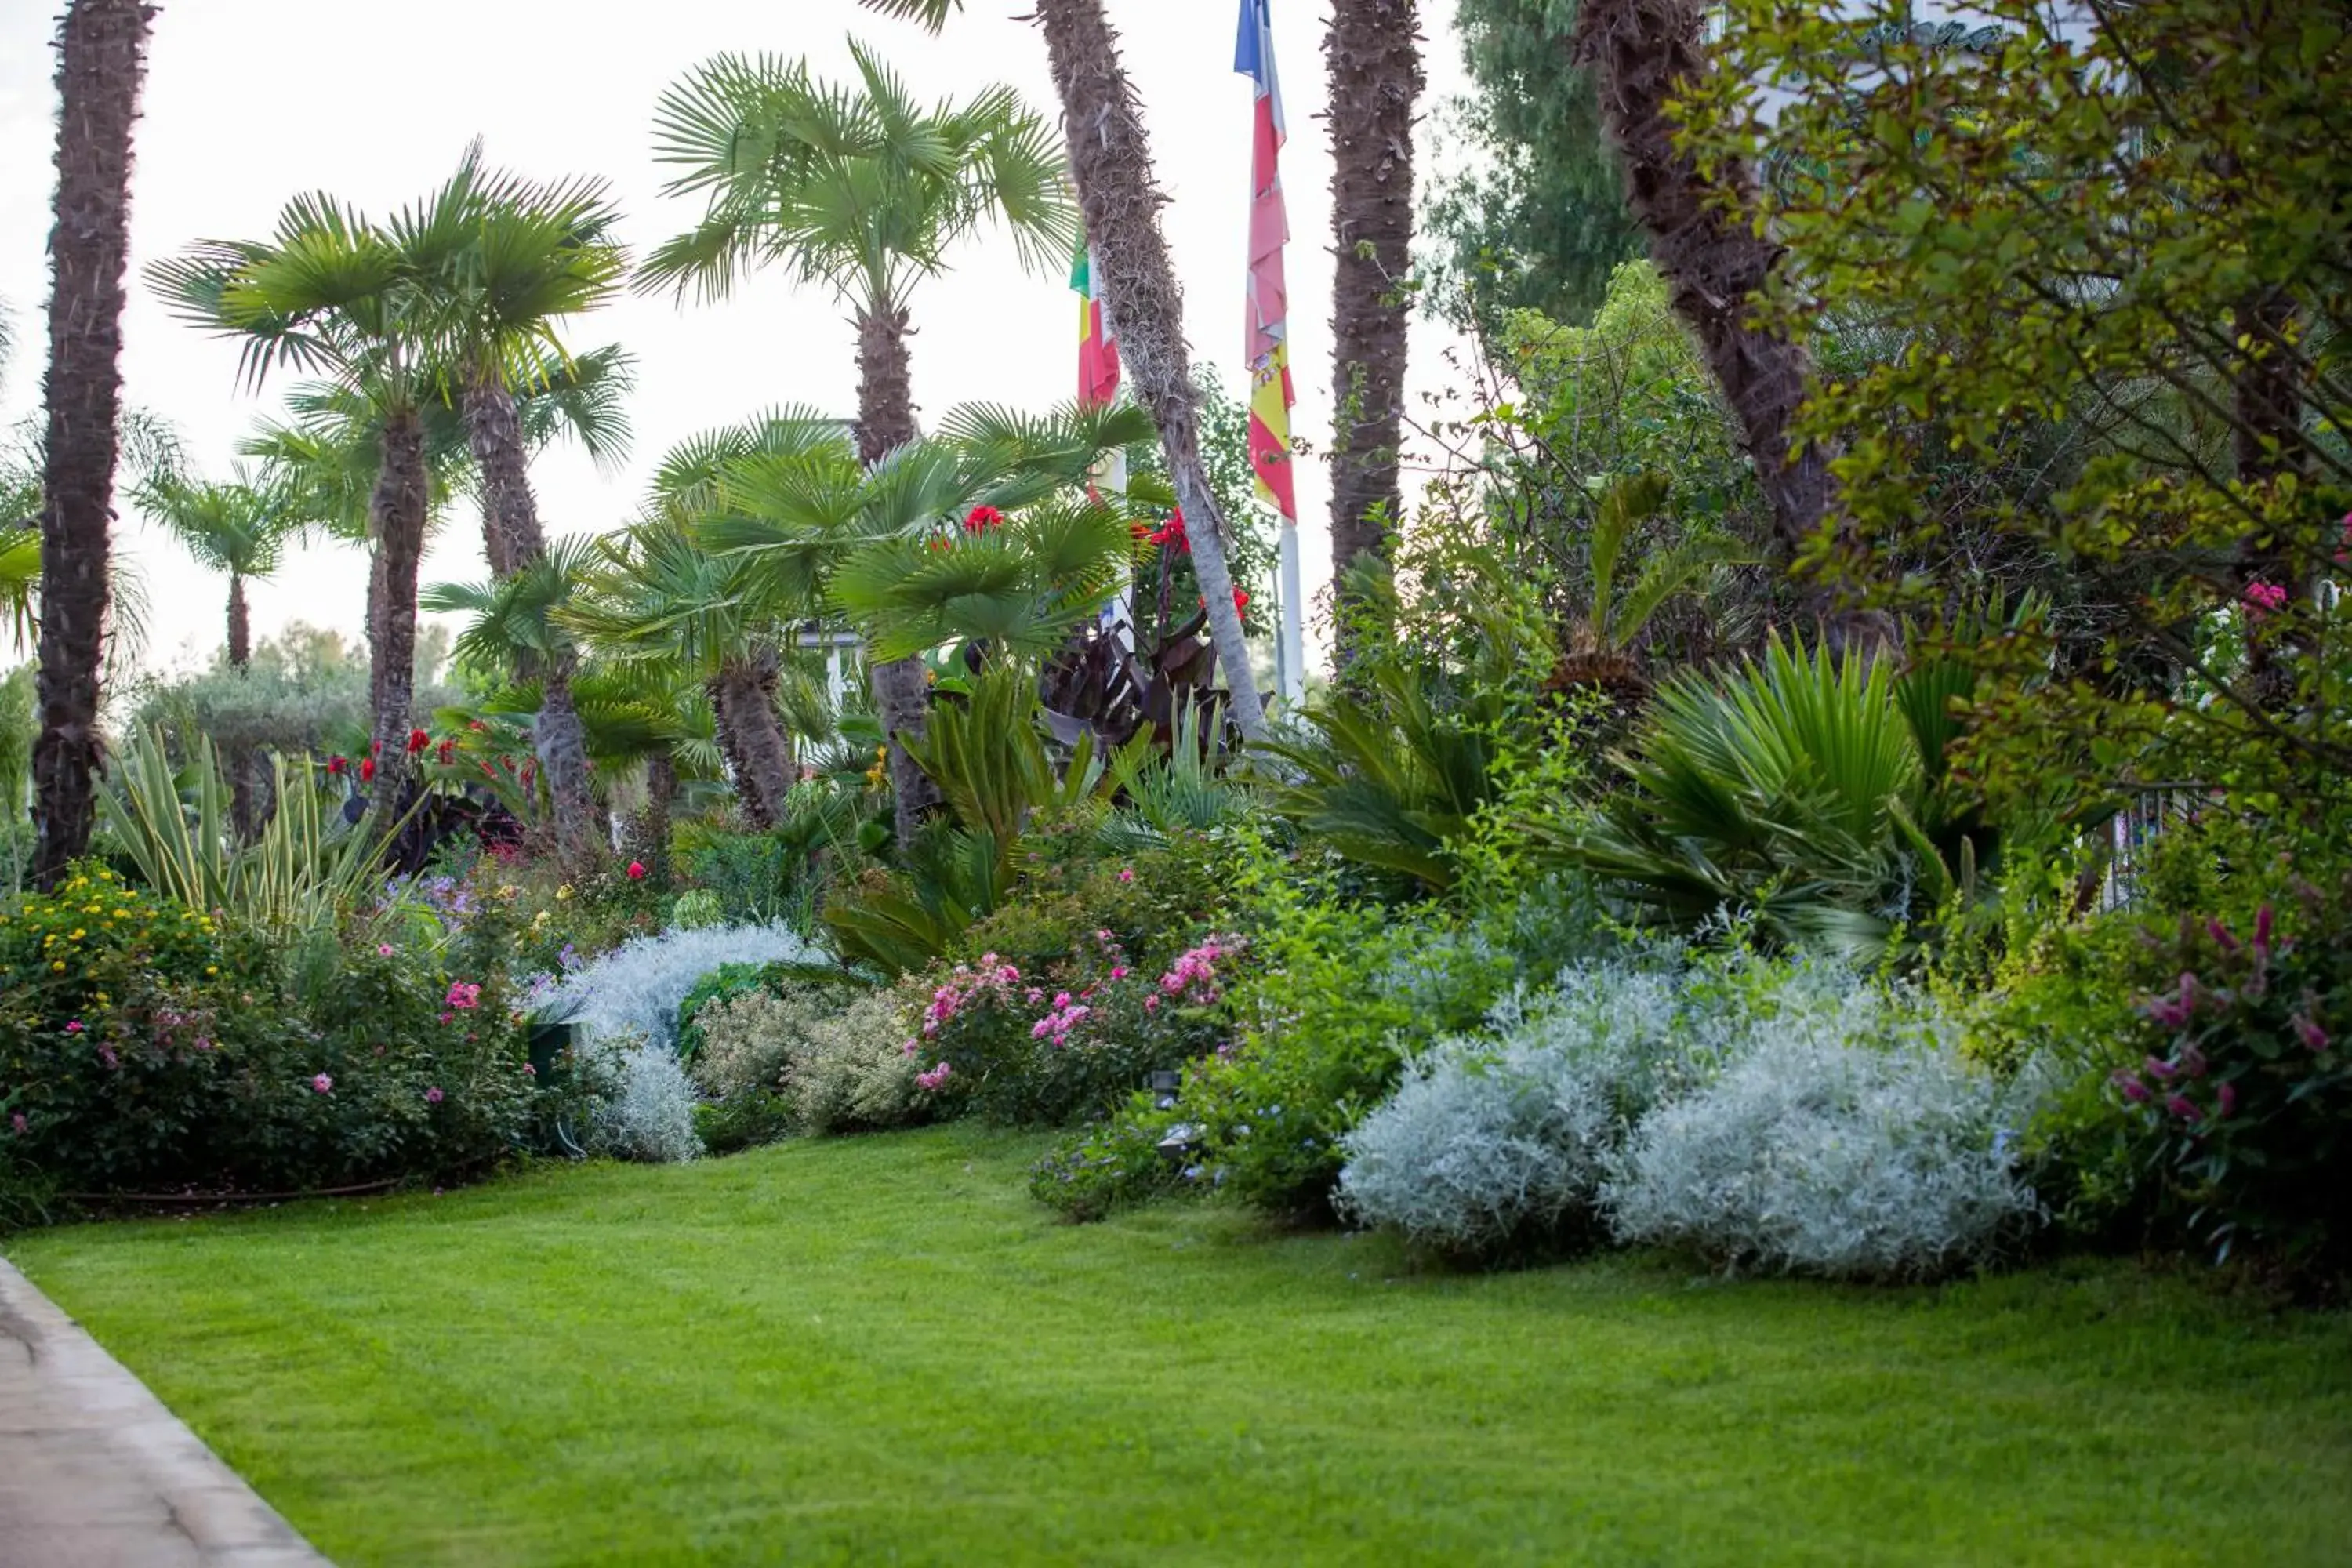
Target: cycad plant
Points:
(1601, 651)
(863, 191)
(1797, 790)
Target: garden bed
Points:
(880, 1349)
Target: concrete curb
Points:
(95, 1473)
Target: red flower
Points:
(375, 748)
(367, 770)
(417, 741)
(636, 870)
(445, 751)
(1173, 533)
(1241, 601)
(980, 519)
(943, 543)
(336, 767)
(477, 726)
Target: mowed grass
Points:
(881, 1351)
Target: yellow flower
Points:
(563, 893)
(77, 934)
(58, 966)
(212, 968)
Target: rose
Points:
(636, 870)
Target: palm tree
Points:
(1647, 54)
(533, 255)
(1112, 163)
(656, 597)
(240, 528)
(1373, 54)
(865, 192)
(333, 292)
(101, 66)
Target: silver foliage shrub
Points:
(638, 987)
(1847, 1137)
(1494, 1138)
(646, 1111)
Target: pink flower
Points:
(383, 950)
(910, 1048)
(2313, 1038)
(931, 1081)
(449, 1017)
(636, 870)
(17, 1119)
(2163, 1072)
(2221, 934)
(2261, 930)
(1035, 995)
(531, 1069)
(1062, 999)
(2129, 1082)
(1044, 1027)
(2228, 1098)
(322, 1084)
(433, 1097)
(1119, 972)
(1152, 1003)
(1126, 874)
(2264, 598)
(74, 1027)
(2183, 1106)
(463, 996)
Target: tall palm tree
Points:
(1110, 159)
(534, 255)
(862, 190)
(240, 528)
(1372, 50)
(332, 292)
(101, 67)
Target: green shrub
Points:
(806, 1058)
(745, 1121)
(726, 980)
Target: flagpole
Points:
(1290, 647)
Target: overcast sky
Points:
(250, 101)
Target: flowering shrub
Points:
(638, 987)
(170, 1053)
(2244, 1087)
(1846, 1137)
(1053, 1048)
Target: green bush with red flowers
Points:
(149, 1050)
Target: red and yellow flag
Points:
(1268, 354)
(1098, 350)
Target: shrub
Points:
(1847, 1138)
(1115, 1165)
(647, 1112)
(832, 1059)
(1496, 1142)
(726, 980)
(695, 910)
(745, 1122)
(747, 1036)
(2244, 1083)
(638, 986)
(145, 1047)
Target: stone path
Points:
(95, 1473)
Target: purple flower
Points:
(2183, 1106)
(383, 950)
(2228, 1098)
(2261, 928)
(2192, 1061)
(2129, 1082)
(2310, 1034)
(2163, 1072)
(74, 1027)
(322, 1084)
(2221, 934)
(17, 1119)
(432, 1097)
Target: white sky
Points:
(249, 101)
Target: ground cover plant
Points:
(866, 1349)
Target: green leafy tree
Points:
(1538, 220)
(240, 530)
(863, 191)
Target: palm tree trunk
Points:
(650, 833)
(101, 64)
(1110, 159)
(240, 625)
(512, 540)
(398, 510)
(885, 421)
(1373, 54)
(756, 750)
(1713, 262)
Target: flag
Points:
(1098, 350)
(1268, 352)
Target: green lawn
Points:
(881, 1351)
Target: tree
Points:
(101, 66)
(240, 528)
(533, 255)
(864, 191)
(1373, 52)
(1700, 221)
(333, 292)
(1112, 163)
(1538, 221)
